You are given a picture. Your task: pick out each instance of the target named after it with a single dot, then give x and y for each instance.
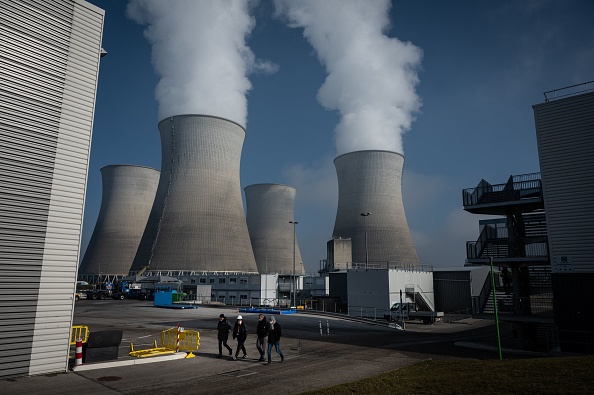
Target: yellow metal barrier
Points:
(189, 340)
(150, 352)
(79, 332)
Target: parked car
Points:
(79, 295)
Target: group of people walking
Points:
(266, 331)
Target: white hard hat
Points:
(239, 317)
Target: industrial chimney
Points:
(370, 209)
(197, 222)
(128, 195)
(270, 209)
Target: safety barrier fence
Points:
(172, 340)
(79, 332)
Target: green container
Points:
(178, 297)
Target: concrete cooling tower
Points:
(128, 196)
(270, 207)
(197, 222)
(370, 182)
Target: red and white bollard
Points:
(78, 353)
(177, 341)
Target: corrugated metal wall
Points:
(565, 135)
(48, 77)
(452, 291)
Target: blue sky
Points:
(484, 64)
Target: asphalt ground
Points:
(346, 350)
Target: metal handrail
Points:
(521, 187)
(521, 247)
(576, 92)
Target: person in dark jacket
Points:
(240, 333)
(223, 328)
(274, 335)
(262, 333)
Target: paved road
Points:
(351, 351)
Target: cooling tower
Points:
(370, 182)
(269, 209)
(197, 222)
(128, 196)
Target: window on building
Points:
(193, 281)
(232, 280)
(222, 280)
(202, 280)
(243, 280)
(243, 297)
(211, 280)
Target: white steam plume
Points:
(199, 50)
(371, 77)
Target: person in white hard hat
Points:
(240, 333)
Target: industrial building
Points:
(127, 199)
(49, 70)
(371, 293)
(197, 222)
(565, 138)
(544, 237)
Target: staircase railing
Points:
(521, 247)
(480, 301)
(415, 289)
(516, 188)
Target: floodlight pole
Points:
(293, 284)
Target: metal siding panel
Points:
(565, 136)
(41, 217)
(72, 157)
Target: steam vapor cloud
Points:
(199, 50)
(371, 77)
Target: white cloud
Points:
(371, 78)
(199, 50)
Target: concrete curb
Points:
(130, 362)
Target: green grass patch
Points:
(560, 375)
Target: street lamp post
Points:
(365, 215)
(293, 285)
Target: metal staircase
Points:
(529, 240)
(421, 298)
